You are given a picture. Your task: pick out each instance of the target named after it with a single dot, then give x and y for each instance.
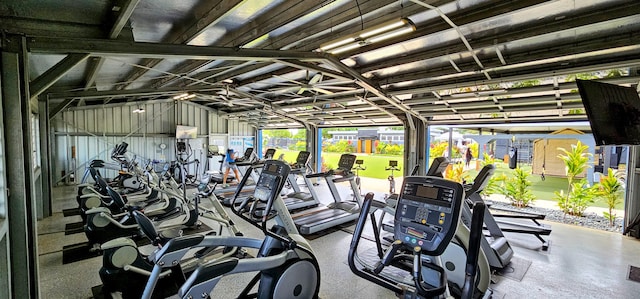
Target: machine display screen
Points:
(428, 192)
(273, 168)
(346, 161)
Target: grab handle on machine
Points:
(475, 238)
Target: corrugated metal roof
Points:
(467, 62)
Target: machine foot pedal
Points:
(73, 228)
(78, 252)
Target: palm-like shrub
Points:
(495, 182)
(610, 189)
(518, 189)
(577, 200)
(576, 161)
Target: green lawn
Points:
(376, 164)
(544, 189)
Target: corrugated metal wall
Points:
(94, 132)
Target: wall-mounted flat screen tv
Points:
(186, 132)
(613, 112)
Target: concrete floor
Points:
(581, 263)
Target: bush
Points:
(576, 161)
(342, 146)
(496, 183)
(456, 173)
(577, 200)
(298, 146)
(518, 189)
(380, 147)
(610, 189)
(437, 149)
(394, 149)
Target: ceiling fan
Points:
(222, 99)
(314, 84)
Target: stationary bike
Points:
(359, 167)
(393, 166)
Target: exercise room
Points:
(319, 149)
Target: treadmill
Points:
(339, 212)
(299, 199)
(253, 169)
(246, 161)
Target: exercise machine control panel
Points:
(302, 159)
(271, 180)
(346, 163)
(427, 213)
(269, 153)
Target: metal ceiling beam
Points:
(51, 28)
(510, 109)
(94, 94)
(465, 15)
(126, 10)
(505, 34)
(369, 86)
(234, 70)
(512, 120)
(312, 67)
(346, 22)
(96, 47)
(365, 7)
(57, 109)
(203, 17)
(48, 78)
(278, 16)
(576, 53)
(426, 88)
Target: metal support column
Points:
(632, 195)
(21, 202)
(415, 147)
(317, 148)
(259, 143)
(427, 149)
(45, 153)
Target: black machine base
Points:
(78, 252)
(73, 228)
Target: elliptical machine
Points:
(286, 265)
(126, 268)
(425, 222)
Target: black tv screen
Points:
(613, 112)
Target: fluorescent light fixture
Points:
(180, 96)
(138, 110)
(391, 34)
(345, 48)
(384, 28)
(184, 96)
(337, 44)
(480, 93)
(366, 37)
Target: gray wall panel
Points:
(96, 130)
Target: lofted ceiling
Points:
(268, 62)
